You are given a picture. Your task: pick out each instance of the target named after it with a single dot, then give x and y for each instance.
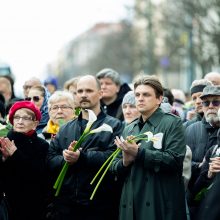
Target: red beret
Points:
(24, 104)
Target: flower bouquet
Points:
(147, 136)
(85, 134)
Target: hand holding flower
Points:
(129, 149)
(71, 156)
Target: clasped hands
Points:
(129, 149)
(7, 147)
(214, 166)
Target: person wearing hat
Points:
(196, 113)
(202, 135)
(51, 84)
(23, 163)
(129, 109)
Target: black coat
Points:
(200, 136)
(209, 208)
(96, 149)
(115, 109)
(24, 176)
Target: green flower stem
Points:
(99, 171)
(103, 175)
(65, 166)
(60, 178)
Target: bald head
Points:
(214, 77)
(90, 79)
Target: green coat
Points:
(153, 188)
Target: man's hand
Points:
(71, 156)
(129, 150)
(214, 166)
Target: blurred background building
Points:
(177, 40)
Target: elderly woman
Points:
(23, 163)
(61, 110)
(129, 109)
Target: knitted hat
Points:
(24, 104)
(129, 98)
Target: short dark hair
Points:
(151, 81)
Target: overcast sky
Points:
(33, 31)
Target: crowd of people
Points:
(169, 162)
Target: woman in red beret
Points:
(23, 156)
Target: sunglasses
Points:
(34, 98)
(215, 103)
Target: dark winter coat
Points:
(24, 176)
(115, 109)
(154, 189)
(200, 136)
(95, 150)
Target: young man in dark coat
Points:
(73, 201)
(153, 188)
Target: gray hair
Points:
(109, 73)
(61, 95)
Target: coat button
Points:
(124, 206)
(147, 204)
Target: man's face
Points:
(88, 94)
(211, 106)
(197, 101)
(109, 88)
(28, 85)
(146, 100)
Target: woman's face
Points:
(130, 112)
(36, 97)
(24, 121)
(61, 110)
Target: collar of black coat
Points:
(99, 116)
(154, 119)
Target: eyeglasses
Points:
(215, 103)
(62, 107)
(24, 118)
(34, 98)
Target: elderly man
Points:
(201, 135)
(113, 92)
(196, 89)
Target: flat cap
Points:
(210, 91)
